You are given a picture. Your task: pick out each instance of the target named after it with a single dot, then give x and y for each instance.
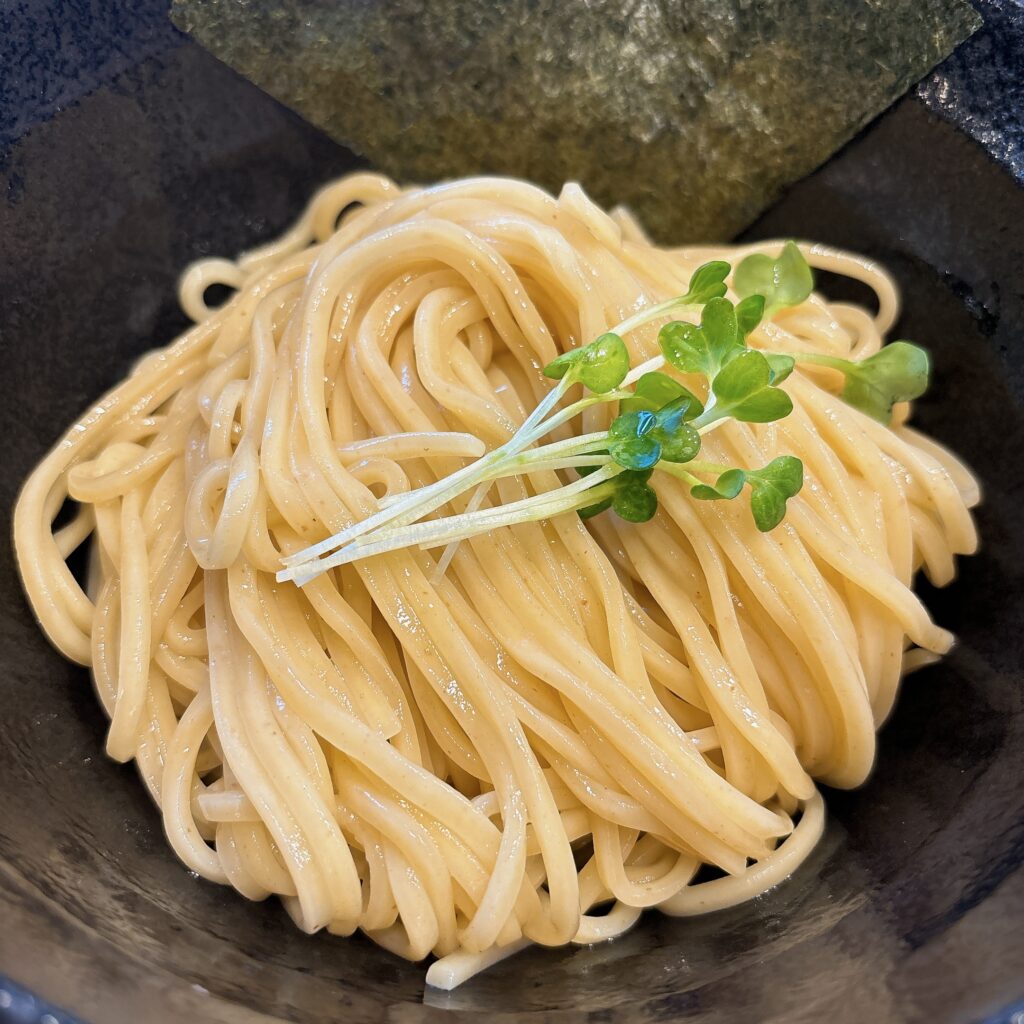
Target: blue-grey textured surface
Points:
(19, 1006)
(980, 88)
(54, 52)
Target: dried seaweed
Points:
(696, 114)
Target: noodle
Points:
(461, 759)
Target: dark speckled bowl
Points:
(912, 908)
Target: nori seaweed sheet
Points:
(695, 114)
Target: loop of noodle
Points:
(425, 755)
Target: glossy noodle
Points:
(572, 715)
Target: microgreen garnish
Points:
(599, 366)
(634, 499)
(781, 366)
(639, 440)
(784, 281)
(749, 312)
(727, 486)
(707, 283)
(770, 488)
(898, 372)
(630, 498)
(633, 440)
(655, 390)
(707, 348)
(658, 428)
(744, 390)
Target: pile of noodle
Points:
(573, 714)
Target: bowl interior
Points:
(907, 909)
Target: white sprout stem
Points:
(652, 364)
(540, 506)
(565, 454)
(557, 455)
(424, 500)
(524, 460)
(441, 531)
(546, 404)
(448, 554)
(712, 417)
(567, 446)
(681, 471)
(414, 505)
(571, 411)
(652, 313)
(553, 463)
(538, 430)
(574, 451)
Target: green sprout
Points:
(771, 487)
(898, 372)
(655, 390)
(781, 366)
(632, 497)
(639, 440)
(707, 282)
(744, 390)
(600, 366)
(784, 281)
(659, 427)
(707, 348)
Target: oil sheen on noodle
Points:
(573, 715)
